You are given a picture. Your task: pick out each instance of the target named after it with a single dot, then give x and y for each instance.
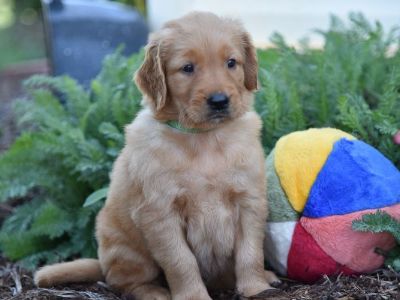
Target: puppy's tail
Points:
(81, 270)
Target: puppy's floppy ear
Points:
(150, 77)
(250, 63)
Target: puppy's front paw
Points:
(272, 278)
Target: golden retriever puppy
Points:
(187, 200)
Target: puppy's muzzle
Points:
(218, 102)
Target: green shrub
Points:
(65, 152)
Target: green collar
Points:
(178, 126)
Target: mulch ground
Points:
(17, 284)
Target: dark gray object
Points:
(81, 32)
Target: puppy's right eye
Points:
(188, 68)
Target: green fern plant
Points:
(64, 154)
(378, 222)
(351, 84)
(71, 136)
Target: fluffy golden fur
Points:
(187, 207)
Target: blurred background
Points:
(22, 33)
(294, 19)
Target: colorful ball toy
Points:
(319, 181)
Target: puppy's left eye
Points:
(231, 63)
(188, 68)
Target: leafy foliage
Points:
(70, 136)
(352, 84)
(382, 222)
(378, 222)
(64, 154)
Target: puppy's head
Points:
(200, 70)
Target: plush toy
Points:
(319, 181)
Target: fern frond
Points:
(378, 222)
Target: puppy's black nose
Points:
(218, 101)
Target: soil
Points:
(17, 284)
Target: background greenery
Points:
(21, 29)
(66, 151)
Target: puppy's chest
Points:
(214, 170)
(210, 222)
(209, 208)
(211, 191)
